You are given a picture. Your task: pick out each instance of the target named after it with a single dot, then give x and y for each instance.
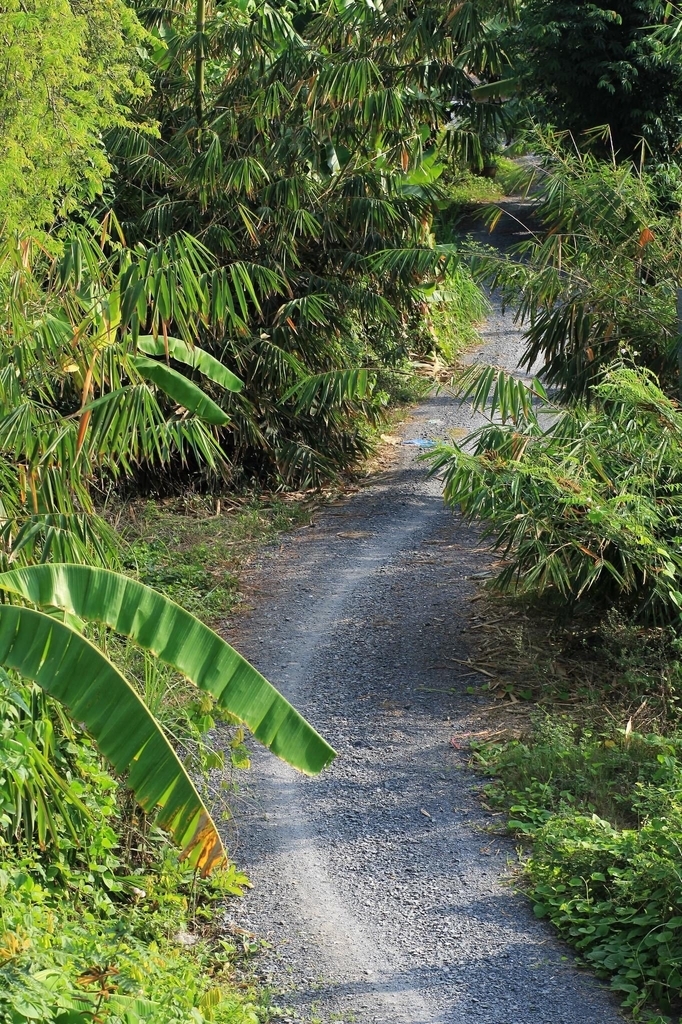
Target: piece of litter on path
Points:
(434, 422)
(425, 813)
(420, 442)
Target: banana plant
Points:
(53, 653)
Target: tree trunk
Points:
(199, 69)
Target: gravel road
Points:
(384, 895)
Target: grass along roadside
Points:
(582, 747)
(193, 548)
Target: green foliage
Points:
(455, 308)
(94, 915)
(134, 940)
(509, 175)
(55, 655)
(39, 797)
(465, 190)
(603, 814)
(67, 69)
(583, 503)
(469, 189)
(193, 554)
(320, 187)
(117, 949)
(78, 405)
(597, 279)
(178, 639)
(591, 64)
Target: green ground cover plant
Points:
(464, 189)
(598, 811)
(98, 918)
(194, 547)
(468, 189)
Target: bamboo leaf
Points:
(329, 389)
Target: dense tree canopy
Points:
(593, 64)
(303, 152)
(67, 71)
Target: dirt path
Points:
(378, 886)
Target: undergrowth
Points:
(457, 308)
(594, 795)
(98, 919)
(465, 189)
(193, 550)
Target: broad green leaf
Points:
(181, 390)
(192, 356)
(75, 672)
(427, 171)
(500, 90)
(181, 640)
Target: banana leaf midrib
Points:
(74, 671)
(182, 641)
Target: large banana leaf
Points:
(500, 90)
(192, 356)
(73, 670)
(181, 390)
(181, 640)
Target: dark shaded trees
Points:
(591, 64)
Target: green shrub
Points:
(584, 503)
(455, 309)
(604, 815)
(510, 176)
(595, 279)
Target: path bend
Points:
(382, 895)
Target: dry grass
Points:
(609, 670)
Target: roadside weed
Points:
(602, 810)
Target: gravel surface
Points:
(384, 895)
